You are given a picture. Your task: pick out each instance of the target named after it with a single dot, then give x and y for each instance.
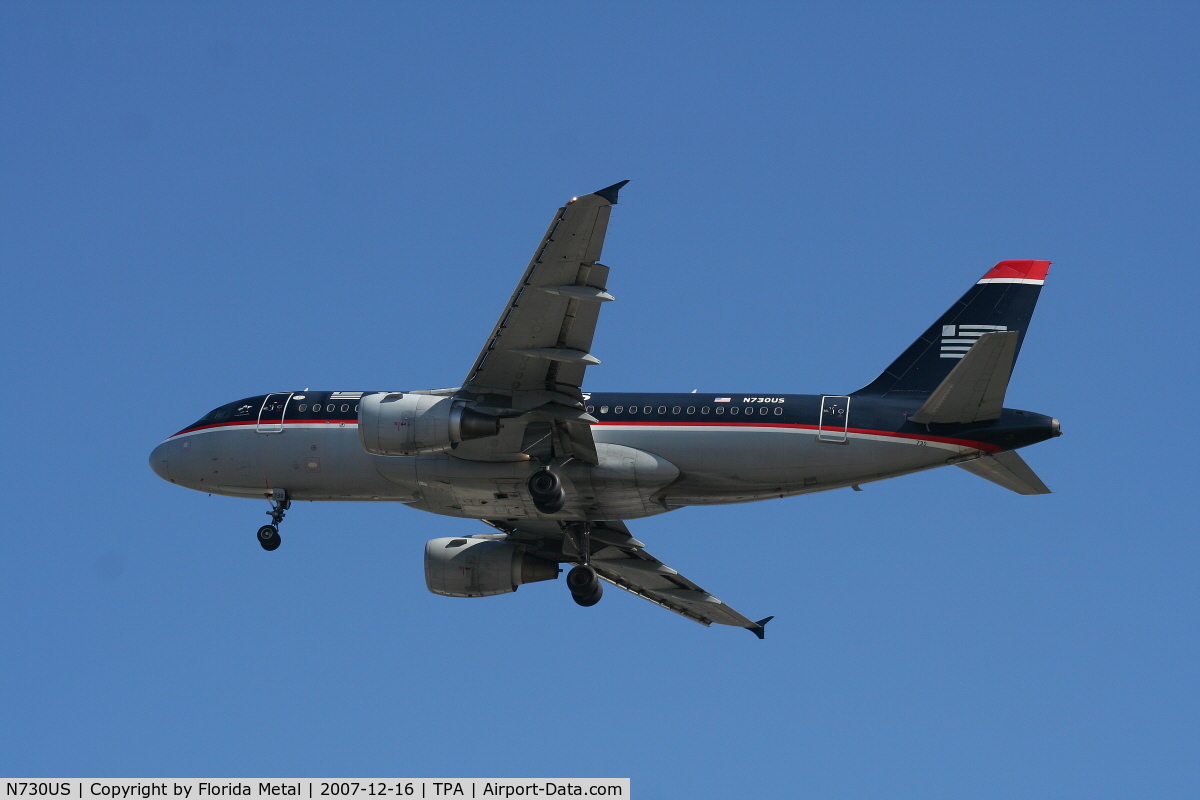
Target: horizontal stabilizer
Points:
(1008, 470)
(1002, 300)
(974, 389)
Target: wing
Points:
(536, 355)
(623, 561)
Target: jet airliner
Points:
(556, 471)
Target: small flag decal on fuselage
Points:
(721, 399)
(957, 339)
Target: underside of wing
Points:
(531, 370)
(621, 560)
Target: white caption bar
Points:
(316, 788)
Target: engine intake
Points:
(481, 567)
(398, 424)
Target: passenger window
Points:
(590, 409)
(345, 407)
(675, 410)
(733, 409)
(356, 409)
(704, 410)
(662, 409)
(603, 409)
(618, 409)
(691, 409)
(779, 411)
(647, 409)
(763, 409)
(303, 407)
(720, 409)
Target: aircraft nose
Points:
(158, 462)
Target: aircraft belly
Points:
(622, 486)
(644, 470)
(738, 465)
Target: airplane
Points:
(556, 471)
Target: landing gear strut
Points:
(582, 580)
(268, 535)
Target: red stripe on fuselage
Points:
(264, 422)
(989, 448)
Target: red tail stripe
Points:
(1029, 270)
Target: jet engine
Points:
(481, 567)
(398, 424)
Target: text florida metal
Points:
(556, 471)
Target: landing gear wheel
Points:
(546, 491)
(584, 583)
(268, 537)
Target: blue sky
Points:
(207, 201)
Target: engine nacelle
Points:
(481, 567)
(399, 424)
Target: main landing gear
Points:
(584, 583)
(268, 535)
(546, 491)
(582, 580)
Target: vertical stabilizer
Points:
(1002, 300)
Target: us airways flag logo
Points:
(957, 339)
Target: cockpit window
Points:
(321, 406)
(241, 410)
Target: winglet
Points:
(760, 627)
(609, 193)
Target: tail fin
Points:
(1002, 300)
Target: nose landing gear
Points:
(268, 535)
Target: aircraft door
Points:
(270, 416)
(835, 419)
